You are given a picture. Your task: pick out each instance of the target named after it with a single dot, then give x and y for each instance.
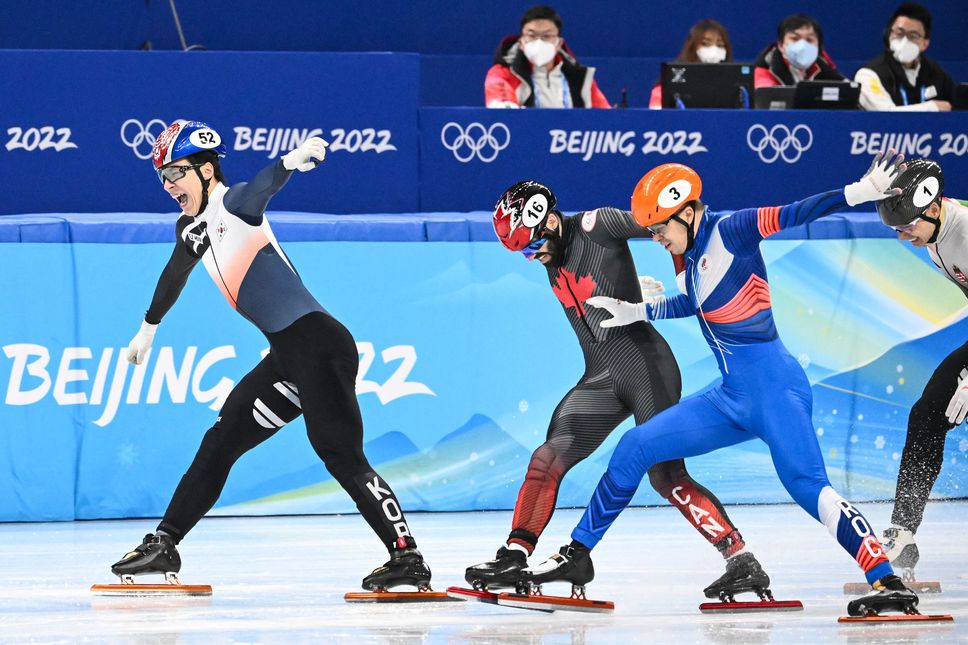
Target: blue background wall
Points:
(852, 30)
(450, 418)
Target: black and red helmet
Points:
(521, 214)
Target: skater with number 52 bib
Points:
(310, 369)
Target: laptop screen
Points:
(707, 85)
(826, 95)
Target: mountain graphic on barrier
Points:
(387, 447)
(479, 465)
(862, 417)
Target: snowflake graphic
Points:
(127, 455)
(879, 442)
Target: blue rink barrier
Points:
(451, 412)
(84, 123)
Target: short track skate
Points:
(424, 595)
(406, 567)
(155, 555)
(171, 587)
(744, 575)
(533, 598)
(480, 593)
(504, 571)
(571, 564)
(888, 595)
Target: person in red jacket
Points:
(538, 69)
(797, 55)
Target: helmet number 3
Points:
(205, 138)
(535, 210)
(675, 193)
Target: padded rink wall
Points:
(454, 393)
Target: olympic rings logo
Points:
(141, 138)
(779, 142)
(475, 141)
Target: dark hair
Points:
(796, 21)
(541, 12)
(688, 53)
(208, 156)
(914, 11)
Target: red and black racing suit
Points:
(629, 370)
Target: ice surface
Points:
(282, 579)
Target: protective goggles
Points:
(907, 228)
(174, 173)
(660, 228)
(532, 249)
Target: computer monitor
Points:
(775, 97)
(707, 85)
(960, 99)
(826, 95)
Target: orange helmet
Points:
(662, 192)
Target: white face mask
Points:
(904, 50)
(711, 54)
(539, 52)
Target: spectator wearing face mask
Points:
(538, 69)
(707, 42)
(902, 77)
(797, 55)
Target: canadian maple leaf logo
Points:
(572, 291)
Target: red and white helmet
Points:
(521, 214)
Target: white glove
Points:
(875, 185)
(623, 313)
(652, 289)
(958, 406)
(307, 156)
(141, 343)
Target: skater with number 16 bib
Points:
(764, 393)
(629, 371)
(310, 368)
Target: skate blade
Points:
(398, 596)
(750, 606)
(152, 590)
(554, 603)
(473, 595)
(895, 618)
(917, 586)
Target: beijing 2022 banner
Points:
(453, 397)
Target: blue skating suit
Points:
(764, 393)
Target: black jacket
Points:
(895, 81)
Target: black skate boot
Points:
(503, 571)
(743, 574)
(405, 567)
(155, 554)
(571, 564)
(889, 594)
